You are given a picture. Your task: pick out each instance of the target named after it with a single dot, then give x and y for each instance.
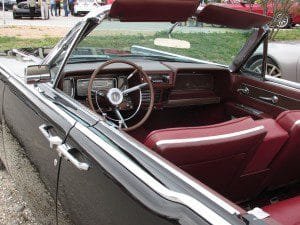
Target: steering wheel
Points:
(115, 96)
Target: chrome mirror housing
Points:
(37, 74)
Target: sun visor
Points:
(224, 16)
(153, 10)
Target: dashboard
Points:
(175, 84)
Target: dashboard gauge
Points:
(100, 84)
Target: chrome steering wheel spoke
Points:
(121, 118)
(135, 88)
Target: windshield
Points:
(207, 43)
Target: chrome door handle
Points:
(244, 91)
(53, 140)
(273, 99)
(63, 151)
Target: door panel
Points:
(24, 113)
(108, 193)
(270, 99)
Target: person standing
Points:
(52, 7)
(71, 7)
(57, 7)
(65, 5)
(31, 4)
(44, 9)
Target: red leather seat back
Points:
(273, 142)
(286, 165)
(215, 154)
(254, 178)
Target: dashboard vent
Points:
(146, 96)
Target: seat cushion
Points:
(286, 212)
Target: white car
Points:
(82, 7)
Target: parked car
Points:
(283, 60)
(144, 135)
(21, 10)
(7, 4)
(82, 7)
(285, 21)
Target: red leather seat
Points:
(215, 154)
(285, 212)
(286, 165)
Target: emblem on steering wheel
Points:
(115, 96)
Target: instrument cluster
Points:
(79, 87)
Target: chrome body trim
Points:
(209, 138)
(26, 56)
(283, 82)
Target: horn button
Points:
(115, 96)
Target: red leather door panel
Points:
(268, 99)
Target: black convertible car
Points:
(140, 133)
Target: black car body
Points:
(102, 174)
(22, 10)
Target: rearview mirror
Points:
(37, 74)
(172, 43)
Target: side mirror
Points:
(37, 74)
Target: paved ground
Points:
(13, 209)
(23, 199)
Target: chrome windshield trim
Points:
(201, 189)
(188, 201)
(99, 13)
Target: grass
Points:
(286, 35)
(215, 47)
(17, 42)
